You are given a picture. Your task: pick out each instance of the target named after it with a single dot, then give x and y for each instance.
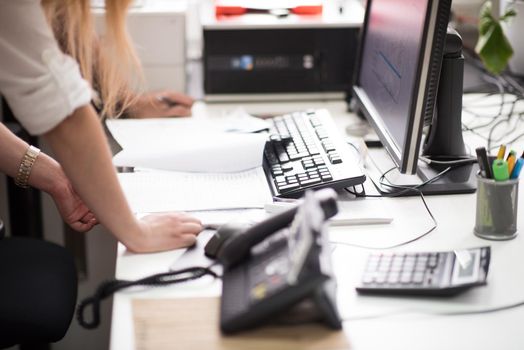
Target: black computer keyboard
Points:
(308, 152)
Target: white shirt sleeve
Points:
(41, 84)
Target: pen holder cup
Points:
(497, 208)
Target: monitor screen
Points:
(398, 71)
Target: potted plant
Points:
(493, 47)
(514, 30)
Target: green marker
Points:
(500, 170)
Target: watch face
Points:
(466, 267)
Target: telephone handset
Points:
(281, 269)
(238, 248)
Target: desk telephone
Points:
(280, 268)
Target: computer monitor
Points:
(410, 75)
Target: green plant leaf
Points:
(493, 47)
(508, 14)
(486, 19)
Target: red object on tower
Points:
(231, 8)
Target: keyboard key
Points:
(310, 182)
(405, 277)
(321, 133)
(380, 277)
(384, 265)
(420, 265)
(313, 151)
(285, 138)
(418, 277)
(315, 122)
(278, 172)
(328, 147)
(303, 149)
(287, 167)
(326, 177)
(287, 188)
(433, 260)
(393, 277)
(302, 154)
(319, 161)
(283, 157)
(368, 278)
(308, 165)
(280, 178)
(334, 159)
(373, 264)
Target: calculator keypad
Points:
(425, 273)
(405, 270)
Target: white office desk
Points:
(376, 322)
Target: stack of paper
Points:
(187, 164)
(160, 191)
(185, 145)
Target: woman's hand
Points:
(166, 231)
(162, 104)
(72, 209)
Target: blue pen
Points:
(517, 168)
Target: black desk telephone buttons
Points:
(269, 275)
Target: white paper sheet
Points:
(190, 145)
(161, 191)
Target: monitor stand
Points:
(444, 139)
(459, 180)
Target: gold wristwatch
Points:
(25, 166)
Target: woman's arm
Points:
(46, 175)
(49, 97)
(81, 147)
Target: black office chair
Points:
(38, 291)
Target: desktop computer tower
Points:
(254, 56)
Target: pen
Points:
(511, 153)
(484, 166)
(502, 152)
(500, 170)
(511, 161)
(517, 168)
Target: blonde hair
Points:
(109, 63)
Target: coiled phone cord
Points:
(108, 288)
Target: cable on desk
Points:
(108, 288)
(505, 84)
(482, 311)
(461, 161)
(403, 190)
(436, 313)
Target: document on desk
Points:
(187, 145)
(160, 191)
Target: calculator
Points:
(425, 273)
